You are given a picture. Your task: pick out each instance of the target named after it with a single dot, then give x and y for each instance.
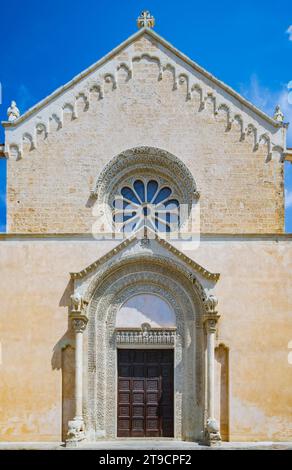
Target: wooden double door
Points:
(145, 393)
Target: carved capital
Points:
(211, 325)
(211, 315)
(79, 323)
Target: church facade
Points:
(145, 273)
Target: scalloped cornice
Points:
(118, 249)
(38, 120)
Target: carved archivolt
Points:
(161, 262)
(110, 292)
(109, 76)
(133, 163)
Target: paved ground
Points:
(140, 444)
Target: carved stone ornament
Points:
(77, 303)
(278, 114)
(211, 304)
(146, 335)
(50, 118)
(213, 436)
(167, 167)
(75, 432)
(79, 323)
(211, 315)
(145, 20)
(13, 112)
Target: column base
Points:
(75, 433)
(212, 433)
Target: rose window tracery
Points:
(146, 202)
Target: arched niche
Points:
(146, 308)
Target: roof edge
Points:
(162, 241)
(74, 80)
(168, 46)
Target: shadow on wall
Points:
(64, 358)
(222, 390)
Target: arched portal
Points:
(174, 324)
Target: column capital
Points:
(211, 315)
(210, 323)
(79, 322)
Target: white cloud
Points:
(288, 198)
(267, 100)
(289, 31)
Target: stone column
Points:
(76, 426)
(211, 318)
(211, 332)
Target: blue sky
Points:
(246, 44)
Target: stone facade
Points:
(164, 103)
(145, 111)
(255, 308)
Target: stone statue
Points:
(75, 432)
(77, 302)
(213, 431)
(278, 115)
(13, 112)
(211, 304)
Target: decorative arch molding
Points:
(133, 268)
(154, 260)
(110, 293)
(137, 161)
(108, 77)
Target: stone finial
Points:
(278, 115)
(13, 112)
(145, 20)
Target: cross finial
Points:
(145, 20)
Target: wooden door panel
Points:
(145, 393)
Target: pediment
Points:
(136, 248)
(38, 120)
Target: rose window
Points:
(146, 203)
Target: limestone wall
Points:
(255, 302)
(49, 188)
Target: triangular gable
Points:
(135, 238)
(252, 120)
